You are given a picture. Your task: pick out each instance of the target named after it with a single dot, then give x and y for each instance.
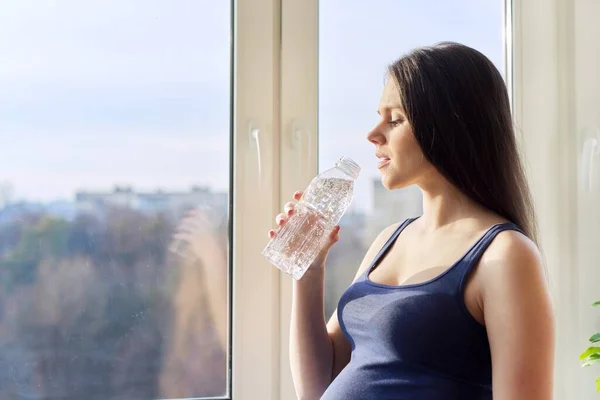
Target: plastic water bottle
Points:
(321, 207)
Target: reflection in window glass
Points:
(114, 124)
(357, 40)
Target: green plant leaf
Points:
(595, 338)
(589, 352)
(598, 384)
(593, 359)
(596, 304)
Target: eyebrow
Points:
(390, 108)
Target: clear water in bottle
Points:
(321, 207)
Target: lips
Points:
(383, 163)
(383, 160)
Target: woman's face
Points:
(401, 161)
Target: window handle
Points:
(254, 134)
(590, 162)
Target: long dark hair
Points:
(458, 106)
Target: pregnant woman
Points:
(452, 304)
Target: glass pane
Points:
(114, 124)
(357, 41)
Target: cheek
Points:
(407, 152)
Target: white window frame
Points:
(255, 309)
(275, 95)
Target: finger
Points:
(193, 236)
(298, 194)
(280, 219)
(192, 224)
(333, 238)
(183, 236)
(196, 218)
(335, 234)
(272, 234)
(289, 207)
(195, 225)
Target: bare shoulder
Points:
(511, 250)
(512, 263)
(385, 234)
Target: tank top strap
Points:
(387, 245)
(468, 262)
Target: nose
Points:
(375, 136)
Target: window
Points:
(357, 41)
(118, 118)
(114, 123)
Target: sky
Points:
(95, 93)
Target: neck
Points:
(444, 204)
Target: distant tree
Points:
(39, 238)
(87, 304)
(95, 308)
(85, 232)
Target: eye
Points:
(395, 122)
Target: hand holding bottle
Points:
(304, 237)
(288, 211)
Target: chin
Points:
(393, 182)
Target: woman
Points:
(195, 362)
(444, 304)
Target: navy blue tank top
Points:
(416, 341)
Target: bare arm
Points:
(215, 261)
(206, 248)
(318, 351)
(519, 319)
(311, 350)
